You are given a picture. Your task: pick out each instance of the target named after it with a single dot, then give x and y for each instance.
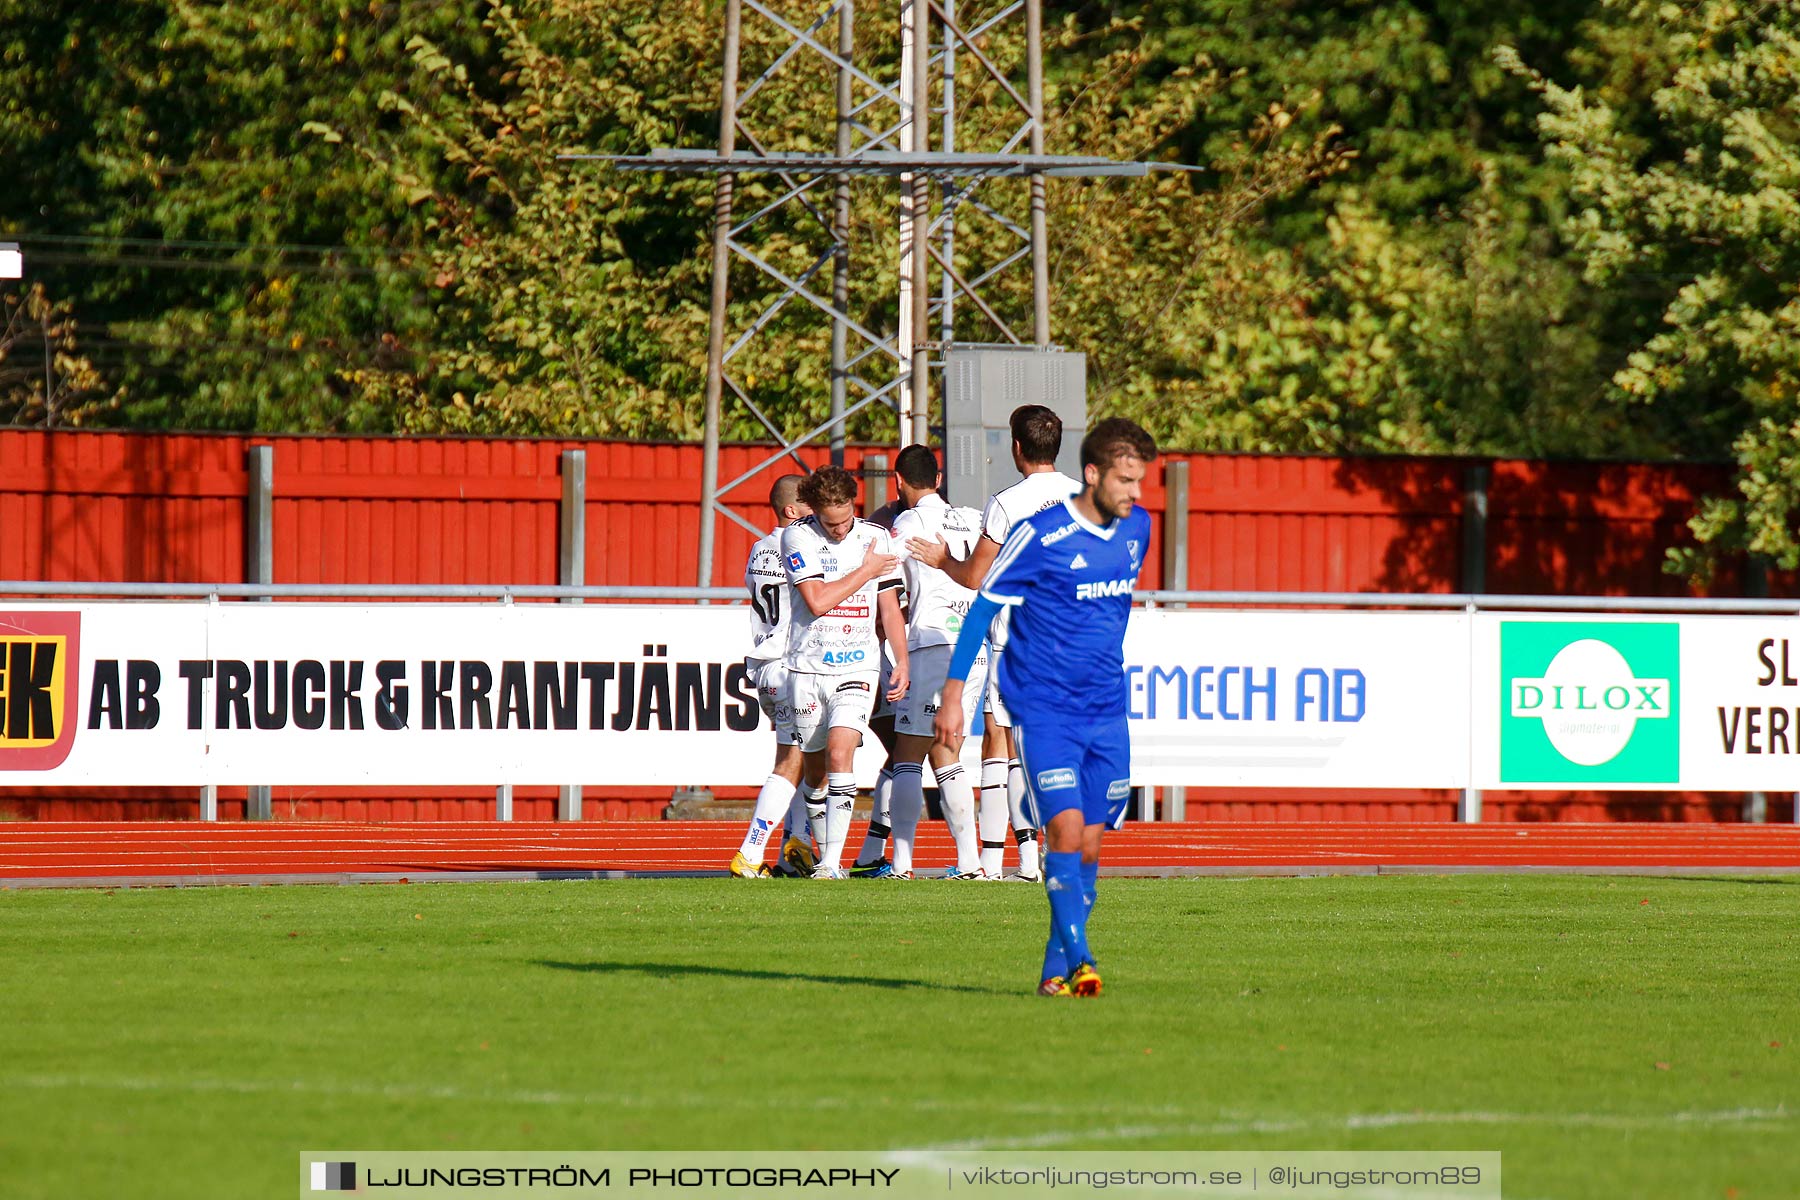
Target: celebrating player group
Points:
(926, 618)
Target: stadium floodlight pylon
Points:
(882, 128)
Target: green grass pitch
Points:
(1612, 1037)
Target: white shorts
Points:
(771, 680)
(822, 703)
(930, 665)
(996, 707)
(883, 708)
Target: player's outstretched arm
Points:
(967, 572)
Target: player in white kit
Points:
(1036, 438)
(771, 607)
(844, 570)
(871, 860)
(938, 606)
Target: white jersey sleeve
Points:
(1032, 494)
(939, 603)
(771, 600)
(1007, 507)
(843, 640)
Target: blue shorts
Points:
(1079, 763)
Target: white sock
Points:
(815, 812)
(908, 803)
(771, 802)
(881, 818)
(797, 825)
(841, 800)
(959, 813)
(1023, 832)
(993, 815)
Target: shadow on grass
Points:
(667, 969)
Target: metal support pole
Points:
(1468, 806)
(568, 802)
(259, 559)
(503, 802)
(572, 545)
(1175, 526)
(1175, 578)
(840, 232)
(1756, 808)
(921, 228)
(1040, 227)
(721, 268)
(572, 572)
(875, 482)
(1474, 528)
(947, 140)
(209, 802)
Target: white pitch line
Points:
(411, 1091)
(1075, 1138)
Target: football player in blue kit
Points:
(1067, 574)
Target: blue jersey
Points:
(1069, 582)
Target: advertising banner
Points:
(183, 694)
(153, 694)
(1703, 703)
(1298, 699)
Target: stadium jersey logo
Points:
(39, 660)
(1096, 589)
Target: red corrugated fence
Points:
(171, 508)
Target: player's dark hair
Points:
(1116, 438)
(1038, 432)
(828, 485)
(918, 466)
(785, 492)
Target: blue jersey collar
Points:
(1103, 532)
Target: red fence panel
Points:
(171, 508)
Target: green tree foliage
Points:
(1705, 195)
(566, 299)
(45, 379)
(228, 270)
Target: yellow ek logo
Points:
(39, 656)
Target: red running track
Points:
(96, 854)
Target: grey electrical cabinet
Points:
(982, 387)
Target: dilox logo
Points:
(1590, 701)
(39, 670)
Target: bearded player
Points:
(1067, 574)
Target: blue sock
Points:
(1056, 963)
(1068, 905)
(1090, 884)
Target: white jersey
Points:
(1007, 507)
(771, 601)
(842, 641)
(939, 603)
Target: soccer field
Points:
(1613, 1037)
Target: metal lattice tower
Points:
(883, 127)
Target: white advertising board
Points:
(177, 694)
(1693, 703)
(393, 693)
(1298, 699)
